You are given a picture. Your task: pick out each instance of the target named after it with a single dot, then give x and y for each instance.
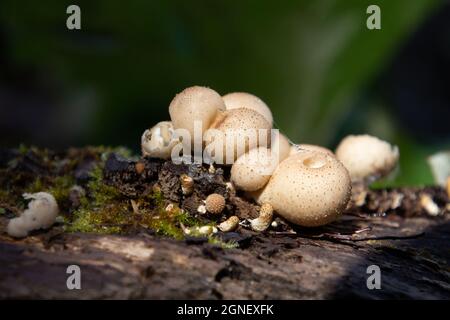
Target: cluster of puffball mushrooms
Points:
(305, 184)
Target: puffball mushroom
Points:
(158, 142)
(195, 104)
(264, 220)
(237, 132)
(237, 100)
(309, 188)
(252, 170)
(367, 157)
(215, 203)
(41, 213)
(229, 225)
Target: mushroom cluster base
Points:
(118, 228)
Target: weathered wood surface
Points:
(412, 252)
(268, 266)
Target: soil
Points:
(389, 228)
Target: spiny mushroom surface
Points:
(236, 100)
(195, 104)
(158, 141)
(215, 203)
(238, 131)
(367, 157)
(309, 189)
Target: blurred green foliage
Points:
(313, 62)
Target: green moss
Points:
(36, 186)
(103, 209)
(104, 221)
(100, 192)
(23, 149)
(59, 186)
(223, 244)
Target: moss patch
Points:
(102, 208)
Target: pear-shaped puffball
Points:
(236, 132)
(309, 188)
(41, 213)
(193, 104)
(236, 100)
(252, 170)
(367, 157)
(298, 147)
(158, 141)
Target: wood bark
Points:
(410, 247)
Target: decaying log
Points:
(410, 247)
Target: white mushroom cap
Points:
(42, 210)
(41, 213)
(158, 142)
(367, 157)
(309, 189)
(195, 104)
(236, 100)
(252, 170)
(237, 132)
(298, 147)
(18, 228)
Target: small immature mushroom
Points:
(237, 100)
(195, 104)
(206, 230)
(264, 220)
(41, 213)
(252, 170)
(201, 209)
(140, 167)
(429, 205)
(231, 188)
(170, 208)
(239, 131)
(158, 141)
(309, 189)
(229, 225)
(187, 184)
(298, 147)
(199, 231)
(366, 157)
(215, 203)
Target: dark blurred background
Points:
(318, 67)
